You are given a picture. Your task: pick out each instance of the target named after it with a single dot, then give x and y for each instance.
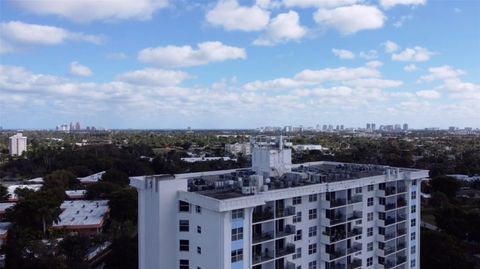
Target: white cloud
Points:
(343, 54)
(184, 56)
(390, 46)
(231, 16)
(336, 74)
(19, 33)
(369, 55)
(410, 68)
(374, 83)
(284, 27)
(374, 64)
(319, 3)
(442, 73)
(399, 23)
(274, 84)
(428, 94)
(152, 76)
(80, 70)
(387, 4)
(94, 10)
(415, 54)
(351, 19)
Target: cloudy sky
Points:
(239, 64)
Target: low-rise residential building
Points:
(239, 148)
(91, 178)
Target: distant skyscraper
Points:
(369, 126)
(77, 126)
(18, 144)
(405, 126)
(373, 127)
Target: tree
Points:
(4, 194)
(441, 251)
(448, 185)
(61, 179)
(124, 205)
(124, 254)
(100, 190)
(75, 249)
(116, 177)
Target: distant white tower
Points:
(18, 144)
(271, 159)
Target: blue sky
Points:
(239, 64)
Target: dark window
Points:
(184, 245)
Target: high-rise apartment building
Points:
(18, 144)
(279, 215)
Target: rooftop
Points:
(11, 189)
(5, 206)
(82, 214)
(92, 178)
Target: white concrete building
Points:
(235, 149)
(18, 144)
(280, 215)
(309, 147)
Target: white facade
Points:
(18, 144)
(309, 147)
(235, 149)
(320, 215)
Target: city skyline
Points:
(227, 64)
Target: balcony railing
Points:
(401, 232)
(401, 203)
(337, 265)
(390, 190)
(354, 248)
(389, 236)
(285, 212)
(389, 221)
(402, 189)
(390, 206)
(289, 230)
(388, 250)
(262, 257)
(354, 232)
(389, 264)
(260, 237)
(335, 236)
(401, 217)
(337, 202)
(355, 199)
(290, 265)
(288, 249)
(356, 263)
(401, 259)
(336, 254)
(355, 215)
(262, 215)
(400, 246)
(336, 219)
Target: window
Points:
(298, 235)
(198, 209)
(370, 187)
(184, 264)
(412, 236)
(414, 182)
(370, 216)
(413, 222)
(237, 214)
(297, 254)
(184, 245)
(298, 217)
(312, 231)
(183, 206)
(237, 234)
(370, 231)
(237, 255)
(370, 261)
(370, 201)
(312, 249)
(370, 246)
(183, 225)
(414, 195)
(358, 190)
(381, 201)
(413, 209)
(312, 213)
(297, 200)
(199, 250)
(412, 250)
(412, 263)
(199, 229)
(312, 265)
(358, 222)
(312, 198)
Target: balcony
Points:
(390, 206)
(389, 236)
(402, 189)
(262, 257)
(356, 263)
(390, 191)
(388, 250)
(389, 220)
(401, 217)
(336, 254)
(335, 236)
(354, 248)
(401, 259)
(290, 265)
(389, 264)
(336, 219)
(285, 212)
(400, 246)
(337, 265)
(355, 199)
(355, 215)
(287, 250)
(354, 232)
(401, 203)
(264, 215)
(261, 237)
(401, 232)
(337, 202)
(289, 230)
